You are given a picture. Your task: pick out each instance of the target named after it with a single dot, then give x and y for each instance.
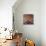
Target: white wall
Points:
(6, 13)
(43, 22)
(29, 31)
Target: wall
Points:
(43, 22)
(29, 31)
(6, 13)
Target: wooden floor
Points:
(9, 43)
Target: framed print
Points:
(28, 19)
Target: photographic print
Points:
(28, 19)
